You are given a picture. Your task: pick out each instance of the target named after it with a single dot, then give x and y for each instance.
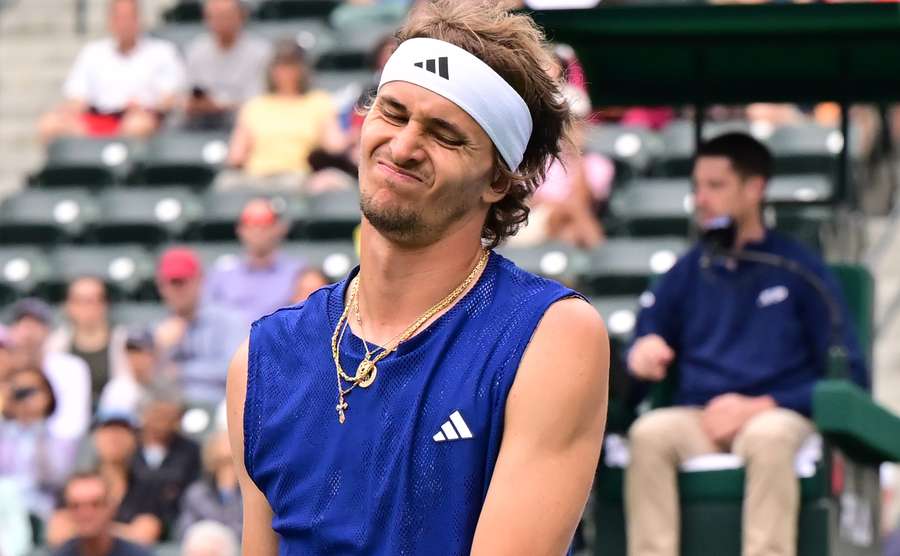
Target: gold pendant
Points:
(365, 373)
(340, 407)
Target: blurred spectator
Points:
(263, 279)
(124, 84)
(566, 205)
(123, 393)
(208, 538)
(307, 282)
(750, 341)
(225, 66)
(216, 495)
(88, 500)
(6, 366)
(276, 132)
(89, 334)
(68, 375)
(135, 502)
(164, 457)
(379, 56)
(892, 543)
(197, 340)
(29, 452)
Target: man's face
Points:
(115, 444)
(124, 21)
(426, 166)
(259, 239)
(86, 303)
(223, 18)
(181, 295)
(161, 420)
(28, 334)
(720, 191)
(89, 504)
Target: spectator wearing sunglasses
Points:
(30, 454)
(196, 341)
(88, 499)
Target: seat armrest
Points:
(849, 418)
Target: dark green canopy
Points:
(669, 55)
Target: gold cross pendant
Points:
(340, 407)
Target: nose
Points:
(406, 146)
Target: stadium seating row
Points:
(621, 267)
(194, 158)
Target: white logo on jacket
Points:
(771, 296)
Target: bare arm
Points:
(143, 529)
(240, 144)
(258, 537)
(555, 418)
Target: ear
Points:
(497, 189)
(755, 187)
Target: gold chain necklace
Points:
(367, 369)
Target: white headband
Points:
(465, 80)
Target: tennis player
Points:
(439, 400)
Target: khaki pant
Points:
(661, 439)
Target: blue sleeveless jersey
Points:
(408, 472)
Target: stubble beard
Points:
(406, 224)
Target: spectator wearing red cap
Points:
(263, 279)
(196, 341)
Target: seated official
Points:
(749, 342)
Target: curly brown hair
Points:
(514, 47)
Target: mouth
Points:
(398, 173)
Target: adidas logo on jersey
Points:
(442, 68)
(454, 429)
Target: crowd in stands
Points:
(91, 440)
(107, 402)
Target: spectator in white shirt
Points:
(225, 66)
(68, 375)
(121, 85)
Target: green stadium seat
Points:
(128, 270)
(295, 9)
(332, 215)
(353, 47)
(181, 34)
(619, 313)
(633, 149)
(552, 260)
(167, 549)
(810, 188)
(222, 209)
(626, 266)
(86, 161)
(138, 314)
(653, 207)
(677, 137)
(312, 34)
(185, 11)
(803, 222)
(355, 16)
(334, 258)
(147, 215)
(23, 271)
(41, 216)
(337, 81)
(180, 157)
(808, 149)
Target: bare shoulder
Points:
(562, 382)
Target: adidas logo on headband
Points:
(442, 68)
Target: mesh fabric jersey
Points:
(392, 480)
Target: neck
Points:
(99, 545)
(261, 260)
(399, 283)
(225, 42)
(750, 232)
(91, 337)
(188, 313)
(125, 46)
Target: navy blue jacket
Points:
(748, 328)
